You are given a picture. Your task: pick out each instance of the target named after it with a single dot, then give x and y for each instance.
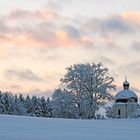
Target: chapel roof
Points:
(125, 93)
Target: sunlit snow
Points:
(33, 128)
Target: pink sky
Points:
(40, 38)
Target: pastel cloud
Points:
(72, 32)
(40, 33)
(26, 74)
(57, 5)
(45, 29)
(132, 16)
(136, 46)
(44, 15)
(116, 24)
(134, 68)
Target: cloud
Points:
(132, 16)
(57, 5)
(44, 28)
(25, 74)
(107, 60)
(137, 90)
(15, 87)
(19, 14)
(43, 36)
(40, 29)
(136, 46)
(116, 24)
(72, 32)
(40, 93)
(132, 68)
(3, 28)
(47, 28)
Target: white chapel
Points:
(126, 103)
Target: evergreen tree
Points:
(7, 100)
(44, 108)
(64, 104)
(109, 112)
(2, 107)
(36, 106)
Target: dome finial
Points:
(126, 84)
(125, 78)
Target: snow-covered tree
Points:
(15, 106)
(35, 106)
(44, 108)
(7, 101)
(2, 107)
(49, 107)
(19, 105)
(21, 98)
(109, 112)
(92, 84)
(64, 104)
(29, 105)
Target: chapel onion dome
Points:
(126, 85)
(126, 95)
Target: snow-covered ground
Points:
(32, 128)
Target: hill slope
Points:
(31, 128)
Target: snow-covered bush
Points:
(109, 112)
(64, 105)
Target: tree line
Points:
(18, 105)
(84, 89)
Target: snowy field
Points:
(31, 128)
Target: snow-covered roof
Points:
(125, 94)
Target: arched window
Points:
(119, 112)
